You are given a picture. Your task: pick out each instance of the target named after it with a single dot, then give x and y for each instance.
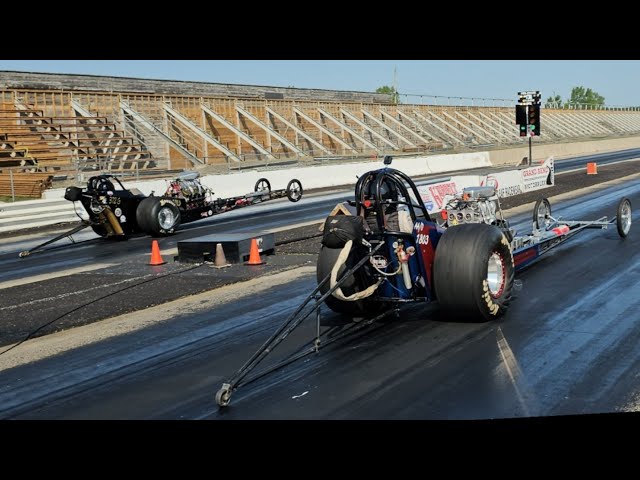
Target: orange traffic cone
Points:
(254, 254)
(156, 258)
(592, 168)
(220, 261)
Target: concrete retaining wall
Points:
(234, 184)
(513, 156)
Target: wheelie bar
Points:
(76, 229)
(223, 396)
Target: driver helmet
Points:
(101, 184)
(388, 190)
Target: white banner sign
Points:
(507, 184)
(515, 182)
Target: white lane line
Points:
(77, 292)
(48, 276)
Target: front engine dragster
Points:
(117, 212)
(392, 252)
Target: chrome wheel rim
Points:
(495, 275)
(542, 213)
(166, 218)
(294, 191)
(625, 217)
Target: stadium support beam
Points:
(497, 127)
(439, 128)
(596, 120)
(630, 124)
(611, 118)
(299, 131)
(387, 128)
(346, 127)
(557, 122)
(471, 133)
(270, 131)
(82, 111)
(510, 126)
(353, 118)
(237, 131)
(323, 129)
(576, 125)
(417, 124)
(198, 131)
(151, 127)
(593, 126)
(404, 127)
(478, 125)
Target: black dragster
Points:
(117, 212)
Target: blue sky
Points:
(616, 80)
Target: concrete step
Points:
(36, 221)
(37, 213)
(19, 208)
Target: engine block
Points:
(473, 205)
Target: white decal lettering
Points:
(422, 239)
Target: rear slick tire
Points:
(473, 272)
(158, 216)
(143, 214)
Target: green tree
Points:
(554, 102)
(386, 89)
(585, 96)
